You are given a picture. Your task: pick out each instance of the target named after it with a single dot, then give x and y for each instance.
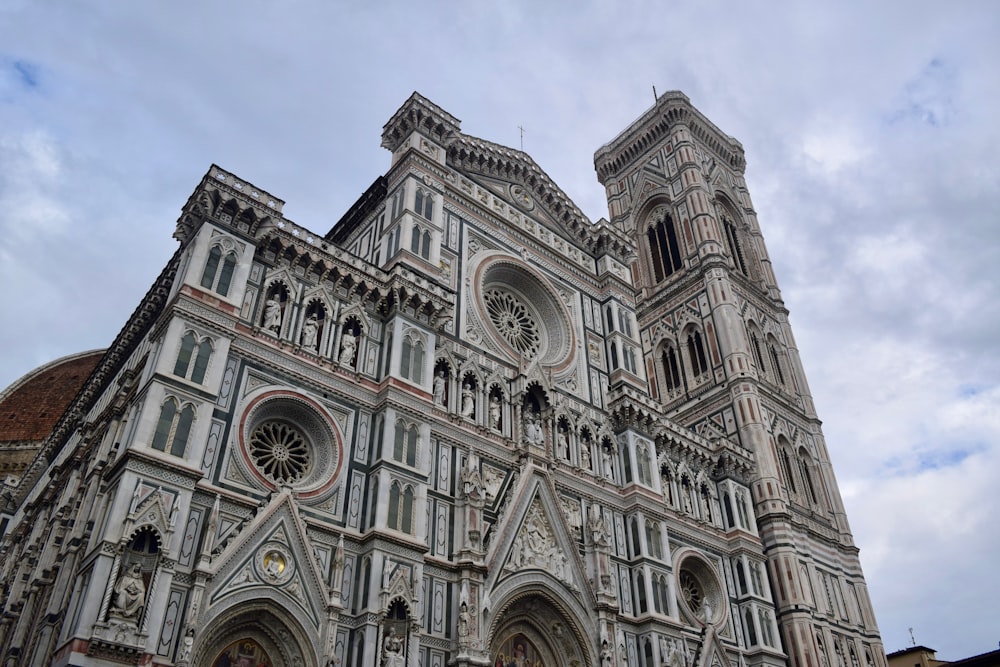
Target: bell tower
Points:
(721, 359)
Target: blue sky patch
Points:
(27, 73)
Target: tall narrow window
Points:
(671, 369)
(624, 323)
(696, 351)
(407, 519)
(214, 279)
(184, 356)
(611, 319)
(201, 361)
(424, 204)
(640, 589)
(665, 254)
(735, 249)
(776, 363)
(392, 521)
(173, 428)
(411, 364)
(415, 240)
(645, 468)
(425, 246)
(751, 630)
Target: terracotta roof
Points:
(30, 408)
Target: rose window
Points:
(280, 451)
(513, 321)
(691, 590)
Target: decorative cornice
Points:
(671, 108)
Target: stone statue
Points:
(585, 456)
(472, 481)
(562, 439)
(598, 527)
(468, 401)
(272, 313)
(186, 644)
(439, 388)
(348, 346)
(533, 434)
(309, 330)
(463, 622)
(392, 650)
(608, 461)
(130, 593)
(494, 412)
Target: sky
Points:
(872, 144)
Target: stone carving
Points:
(348, 347)
(130, 594)
(535, 547)
(392, 649)
(574, 518)
(494, 412)
(585, 456)
(272, 313)
(468, 401)
(439, 388)
(309, 330)
(533, 434)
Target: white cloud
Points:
(869, 131)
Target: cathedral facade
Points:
(465, 427)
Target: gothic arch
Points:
(284, 638)
(529, 606)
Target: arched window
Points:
(636, 540)
(727, 506)
(696, 352)
(424, 204)
(624, 323)
(614, 356)
(665, 254)
(741, 508)
(411, 365)
(779, 376)
(201, 357)
(805, 465)
(664, 595)
(754, 338)
(786, 465)
(671, 369)
(404, 447)
(173, 427)
(741, 577)
(640, 589)
(626, 464)
(735, 249)
(654, 541)
(415, 240)
(767, 634)
(400, 508)
(751, 630)
(657, 607)
(611, 319)
(215, 279)
(425, 246)
(647, 652)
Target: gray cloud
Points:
(870, 135)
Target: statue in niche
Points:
(392, 649)
(272, 313)
(130, 593)
(562, 443)
(585, 456)
(310, 329)
(609, 463)
(468, 401)
(533, 434)
(494, 412)
(348, 347)
(440, 382)
(463, 622)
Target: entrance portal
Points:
(243, 653)
(536, 631)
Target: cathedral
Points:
(464, 427)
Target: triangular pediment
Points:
(712, 653)
(271, 557)
(536, 537)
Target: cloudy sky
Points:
(871, 132)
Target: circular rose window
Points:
(524, 315)
(288, 441)
(699, 590)
(280, 451)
